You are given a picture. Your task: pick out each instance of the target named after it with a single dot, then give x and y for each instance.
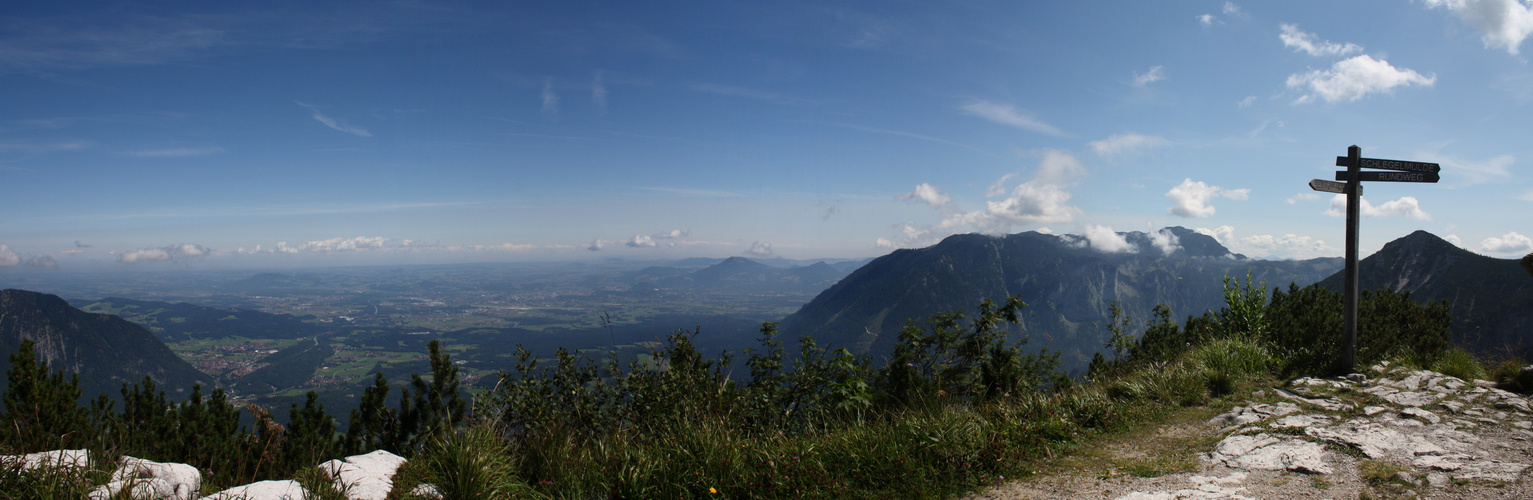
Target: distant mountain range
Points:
(181, 321)
(1068, 284)
(105, 350)
(740, 274)
(1492, 298)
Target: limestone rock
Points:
(1266, 452)
(364, 477)
(263, 490)
(1203, 488)
(1256, 412)
(184, 481)
(152, 488)
(57, 459)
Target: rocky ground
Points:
(1387, 433)
(358, 477)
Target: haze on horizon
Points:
(155, 136)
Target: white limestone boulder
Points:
(263, 490)
(364, 477)
(78, 459)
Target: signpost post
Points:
(1402, 171)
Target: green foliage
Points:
(40, 406)
(1245, 308)
(946, 360)
(1306, 329)
(1459, 363)
(472, 463)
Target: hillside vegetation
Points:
(957, 407)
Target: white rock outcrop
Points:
(364, 477)
(263, 490)
(56, 459)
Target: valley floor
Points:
(1398, 434)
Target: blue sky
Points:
(223, 135)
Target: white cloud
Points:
(175, 152)
(1266, 246)
(335, 123)
(43, 261)
(1043, 199)
(999, 188)
(598, 245)
(344, 244)
(1247, 102)
(1303, 197)
(550, 108)
(1155, 74)
(1104, 239)
(1505, 23)
(1311, 44)
(1166, 241)
(1005, 114)
(599, 95)
(7, 257)
(760, 249)
(929, 194)
(1118, 144)
(884, 243)
(1190, 199)
(1354, 78)
(640, 241)
(1509, 243)
(171, 252)
(1207, 19)
(1455, 240)
(1230, 9)
(673, 234)
(1406, 206)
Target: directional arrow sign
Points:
(1403, 166)
(1332, 187)
(1392, 176)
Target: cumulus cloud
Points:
(1247, 102)
(1230, 9)
(1504, 23)
(171, 252)
(7, 257)
(1455, 240)
(550, 107)
(43, 261)
(335, 123)
(1005, 114)
(884, 243)
(640, 241)
(1303, 197)
(1354, 78)
(673, 234)
(1104, 239)
(1043, 199)
(1121, 144)
(598, 245)
(1406, 206)
(1190, 199)
(1207, 19)
(1155, 74)
(336, 245)
(1166, 241)
(1267, 246)
(1311, 44)
(928, 194)
(1511, 243)
(760, 249)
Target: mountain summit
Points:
(1492, 298)
(1068, 281)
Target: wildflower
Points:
(712, 491)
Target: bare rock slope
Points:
(1389, 433)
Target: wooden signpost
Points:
(1400, 171)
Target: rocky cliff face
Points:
(105, 350)
(1068, 284)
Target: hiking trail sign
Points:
(1354, 176)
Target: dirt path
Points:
(1397, 434)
